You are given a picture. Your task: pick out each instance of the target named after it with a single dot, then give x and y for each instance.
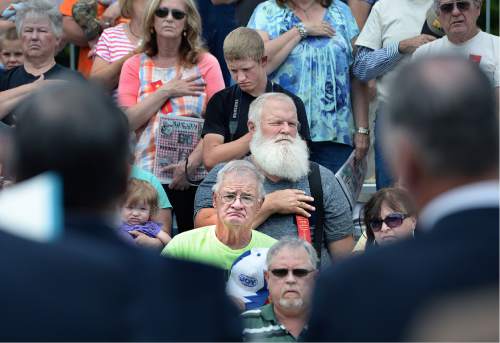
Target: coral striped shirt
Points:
(114, 44)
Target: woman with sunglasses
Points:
(164, 91)
(116, 44)
(389, 215)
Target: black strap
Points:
(233, 121)
(317, 193)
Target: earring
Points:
(184, 33)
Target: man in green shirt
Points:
(237, 197)
(290, 276)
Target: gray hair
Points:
(256, 107)
(446, 106)
(240, 167)
(292, 243)
(437, 3)
(40, 9)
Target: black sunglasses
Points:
(393, 220)
(299, 272)
(162, 12)
(461, 5)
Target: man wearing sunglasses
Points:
(442, 139)
(290, 276)
(458, 19)
(392, 32)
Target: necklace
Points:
(304, 9)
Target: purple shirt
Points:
(149, 228)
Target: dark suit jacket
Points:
(375, 296)
(91, 286)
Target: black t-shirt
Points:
(220, 109)
(18, 76)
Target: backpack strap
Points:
(233, 120)
(314, 178)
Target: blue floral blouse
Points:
(317, 69)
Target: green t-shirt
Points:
(201, 245)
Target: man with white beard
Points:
(290, 276)
(282, 156)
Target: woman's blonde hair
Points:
(126, 8)
(191, 45)
(141, 192)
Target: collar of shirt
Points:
(475, 195)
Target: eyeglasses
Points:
(298, 272)
(162, 12)
(230, 198)
(450, 6)
(393, 220)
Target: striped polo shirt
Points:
(261, 325)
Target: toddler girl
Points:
(140, 204)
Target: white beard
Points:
(287, 160)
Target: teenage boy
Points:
(225, 131)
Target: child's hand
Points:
(146, 241)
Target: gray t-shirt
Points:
(338, 216)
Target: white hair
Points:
(40, 9)
(240, 167)
(256, 107)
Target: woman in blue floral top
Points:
(309, 48)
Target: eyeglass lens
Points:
(298, 272)
(461, 5)
(163, 12)
(229, 198)
(393, 220)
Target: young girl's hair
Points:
(139, 192)
(10, 34)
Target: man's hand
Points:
(408, 46)
(289, 201)
(361, 145)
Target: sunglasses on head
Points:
(393, 220)
(162, 12)
(298, 272)
(461, 5)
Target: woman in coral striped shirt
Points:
(118, 43)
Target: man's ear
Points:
(266, 276)
(251, 126)
(214, 198)
(263, 61)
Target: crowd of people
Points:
(200, 194)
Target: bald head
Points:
(447, 106)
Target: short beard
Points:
(286, 160)
(291, 303)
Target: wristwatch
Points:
(302, 30)
(363, 130)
